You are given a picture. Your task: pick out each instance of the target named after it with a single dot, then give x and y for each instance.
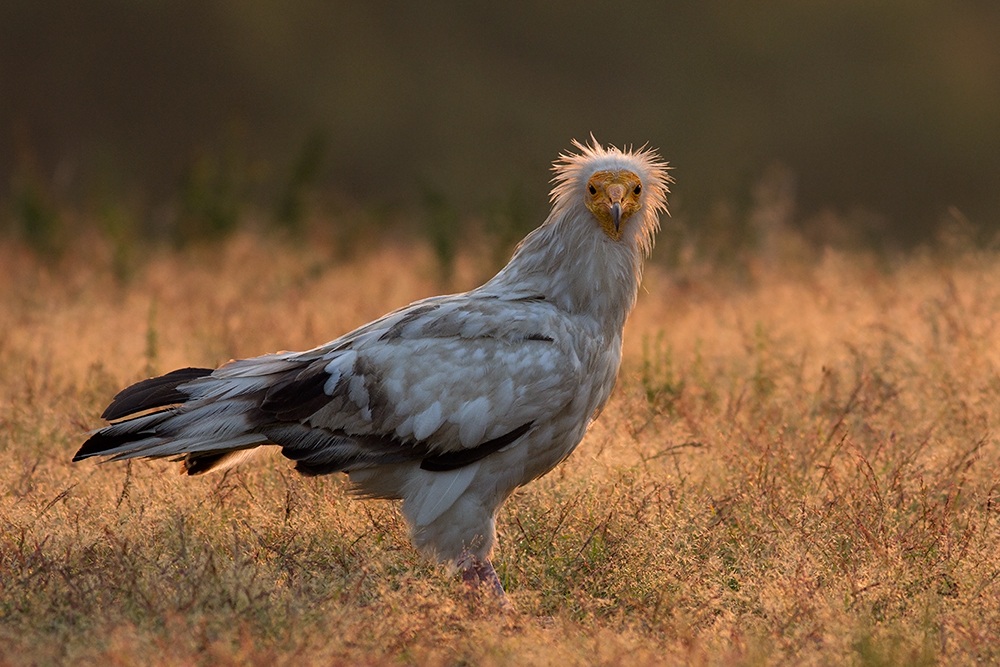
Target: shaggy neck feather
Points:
(576, 266)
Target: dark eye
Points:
(637, 189)
(592, 189)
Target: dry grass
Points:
(797, 467)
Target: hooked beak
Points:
(616, 195)
(616, 215)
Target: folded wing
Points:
(445, 382)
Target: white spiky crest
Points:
(572, 170)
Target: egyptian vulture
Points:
(448, 404)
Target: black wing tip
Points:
(311, 470)
(459, 459)
(155, 392)
(108, 438)
(100, 442)
(298, 396)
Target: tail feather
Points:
(153, 393)
(121, 436)
(159, 417)
(161, 447)
(211, 420)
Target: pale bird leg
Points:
(480, 576)
(481, 573)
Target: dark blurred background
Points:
(884, 115)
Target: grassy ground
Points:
(798, 466)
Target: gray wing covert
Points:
(445, 383)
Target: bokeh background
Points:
(877, 122)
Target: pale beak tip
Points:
(616, 215)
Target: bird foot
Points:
(481, 578)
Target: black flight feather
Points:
(117, 435)
(153, 393)
(463, 457)
(298, 396)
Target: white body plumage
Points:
(452, 402)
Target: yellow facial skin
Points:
(612, 196)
